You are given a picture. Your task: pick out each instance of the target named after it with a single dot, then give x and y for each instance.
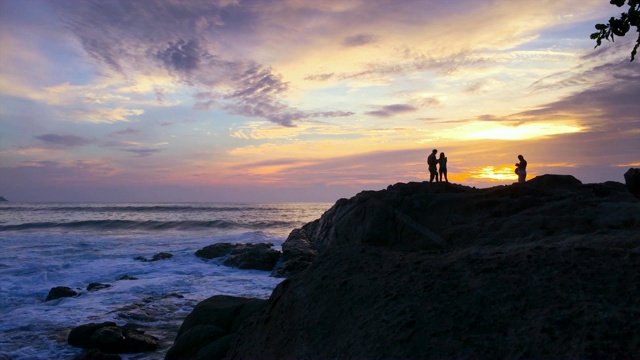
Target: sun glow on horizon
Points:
(492, 173)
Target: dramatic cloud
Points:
(265, 94)
(64, 140)
(612, 105)
(183, 38)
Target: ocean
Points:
(44, 245)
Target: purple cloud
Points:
(391, 110)
(359, 40)
(183, 55)
(183, 38)
(144, 152)
(64, 140)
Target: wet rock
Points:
(97, 286)
(156, 257)
(60, 292)
(127, 277)
(161, 256)
(112, 339)
(259, 256)
(255, 258)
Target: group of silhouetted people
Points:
(438, 167)
(435, 162)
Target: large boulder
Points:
(207, 331)
(632, 179)
(157, 257)
(258, 256)
(97, 286)
(60, 292)
(112, 339)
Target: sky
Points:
(296, 100)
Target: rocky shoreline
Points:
(545, 269)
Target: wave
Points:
(141, 208)
(149, 225)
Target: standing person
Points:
(521, 169)
(443, 167)
(433, 170)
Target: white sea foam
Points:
(34, 260)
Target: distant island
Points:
(2, 199)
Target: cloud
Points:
(144, 152)
(359, 40)
(64, 140)
(105, 115)
(320, 77)
(392, 110)
(128, 131)
(183, 55)
(609, 105)
(476, 87)
(187, 39)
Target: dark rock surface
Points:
(112, 339)
(259, 256)
(632, 180)
(97, 286)
(545, 269)
(60, 292)
(409, 217)
(127, 277)
(156, 257)
(208, 330)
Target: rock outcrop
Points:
(112, 339)
(545, 269)
(157, 257)
(97, 286)
(409, 217)
(59, 292)
(632, 179)
(259, 256)
(208, 330)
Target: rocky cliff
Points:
(546, 269)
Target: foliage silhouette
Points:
(620, 26)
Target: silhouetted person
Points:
(433, 170)
(521, 169)
(443, 167)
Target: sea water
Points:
(69, 244)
